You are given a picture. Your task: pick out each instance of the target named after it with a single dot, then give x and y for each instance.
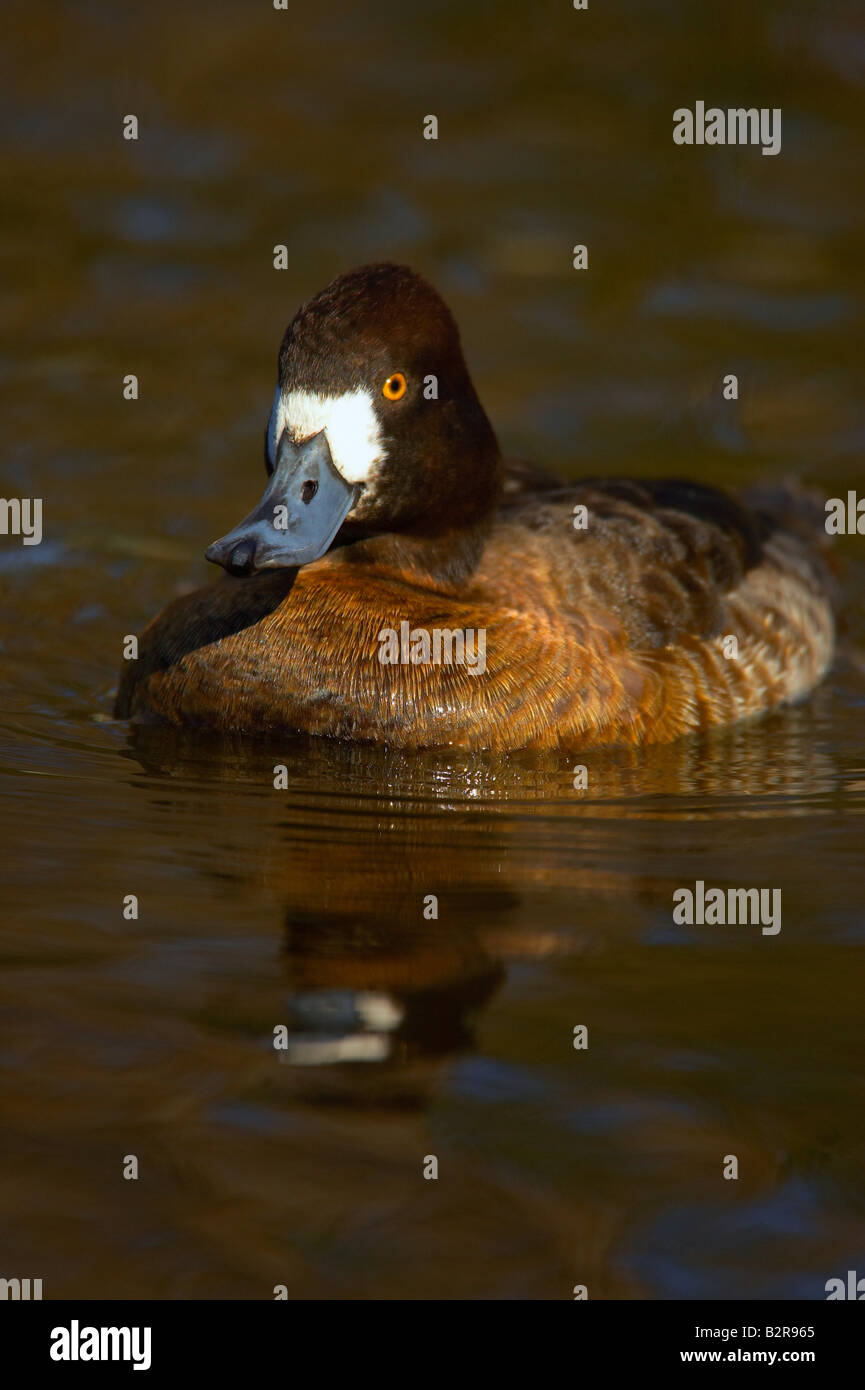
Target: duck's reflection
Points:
(405, 883)
(341, 1025)
(366, 990)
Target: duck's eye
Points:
(394, 387)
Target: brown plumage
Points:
(615, 633)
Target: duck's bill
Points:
(304, 504)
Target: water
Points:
(411, 1036)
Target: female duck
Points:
(396, 583)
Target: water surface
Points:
(305, 907)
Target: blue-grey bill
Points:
(303, 506)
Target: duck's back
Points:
(667, 606)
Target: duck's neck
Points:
(444, 562)
(436, 534)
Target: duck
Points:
(610, 610)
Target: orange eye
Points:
(394, 387)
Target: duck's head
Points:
(375, 427)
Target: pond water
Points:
(410, 1036)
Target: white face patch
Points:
(349, 423)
